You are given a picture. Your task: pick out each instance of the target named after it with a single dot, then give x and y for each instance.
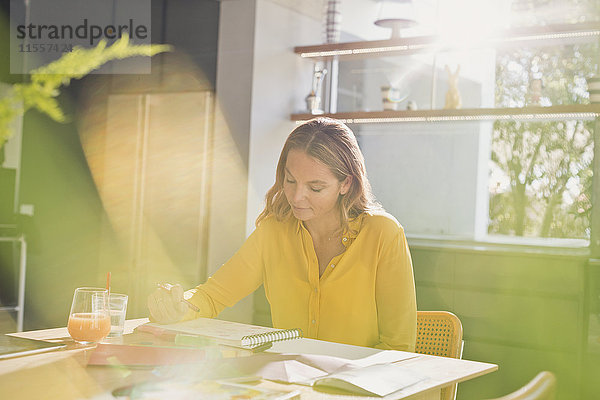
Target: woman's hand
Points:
(166, 304)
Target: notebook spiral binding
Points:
(276, 336)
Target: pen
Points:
(187, 303)
(191, 306)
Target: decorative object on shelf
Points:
(535, 90)
(534, 36)
(411, 105)
(391, 97)
(313, 100)
(594, 89)
(395, 15)
(453, 100)
(333, 20)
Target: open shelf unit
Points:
(550, 34)
(542, 35)
(561, 112)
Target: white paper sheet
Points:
(378, 379)
(306, 368)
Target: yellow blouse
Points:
(365, 297)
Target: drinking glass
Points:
(89, 319)
(118, 310)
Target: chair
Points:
(439, 333)
(542, 387)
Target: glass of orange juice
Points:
(89, 319)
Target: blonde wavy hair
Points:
(333, 144)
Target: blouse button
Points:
(332, 265)
(313, 321)
(344, 239)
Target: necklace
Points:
(335, 234)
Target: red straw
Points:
(108, 281)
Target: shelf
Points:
(562, 112)
(551, 34)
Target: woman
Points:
(332, 262)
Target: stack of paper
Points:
(379, 374)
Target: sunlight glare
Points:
(466, 23)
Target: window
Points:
(541, 172)
(515, 180)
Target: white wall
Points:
(229, 175)
(260, 82)
(281, 81)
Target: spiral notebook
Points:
(225, 332)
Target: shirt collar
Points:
(299, 225)
(353, 226)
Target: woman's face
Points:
(310, 187)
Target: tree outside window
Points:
(541, 172)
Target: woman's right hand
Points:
(166, 304)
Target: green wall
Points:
(64, 234)
(521, 310)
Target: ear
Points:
(345, 187)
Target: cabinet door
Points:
(151, 173)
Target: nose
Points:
(299, 194)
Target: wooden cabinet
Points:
(151, 170)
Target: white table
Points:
(63, 373)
